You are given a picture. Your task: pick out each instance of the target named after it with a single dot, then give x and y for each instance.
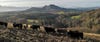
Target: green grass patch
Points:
(76, 17)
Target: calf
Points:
(49, 29)
(3, 24)
(18, 25)
(75, 34)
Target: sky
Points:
(62, 3)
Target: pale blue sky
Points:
(62, 3)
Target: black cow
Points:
(75, 34)
(4, 24)
(19, 25)
(61, 32)
(35, 27)
(49, 29)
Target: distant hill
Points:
(9, 8)
(55, 9)
(88, 8)
(45, 9)
(50, 9)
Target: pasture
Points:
(19, 32)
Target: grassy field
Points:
(17, 35)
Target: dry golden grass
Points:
(92, 36)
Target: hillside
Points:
(71, 19)
(49, 14)
(56, 16)
(87, 22)
(91, 18)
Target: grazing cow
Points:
(49, 29)
(3, 24)
(35, 27)
(75, 34)
(18, 25)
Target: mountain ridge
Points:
(50, 9)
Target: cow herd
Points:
(50, 30)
